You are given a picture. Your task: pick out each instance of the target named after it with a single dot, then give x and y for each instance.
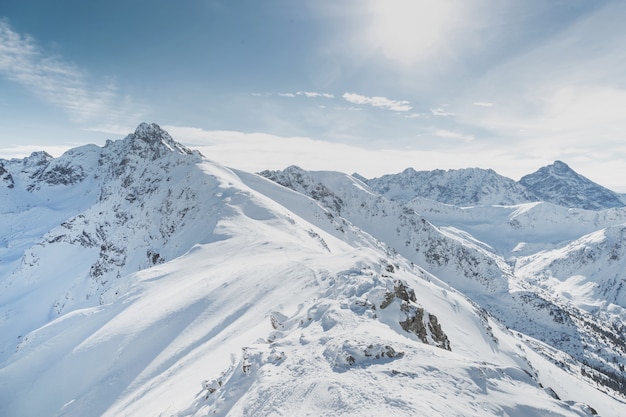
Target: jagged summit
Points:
(147, 144)
(556, 184)
(463, 187)
(157, 140)
(559, 184)
(557, 169)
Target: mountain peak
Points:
(157, 140)
(149, 131)
(463, 187)
(560, 184)
(560, 168)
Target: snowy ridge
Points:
(401, 228)
(170, 285)
(461, 187)
(463, 261)
(557, 184)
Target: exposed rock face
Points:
(417, 320)
(5, 177)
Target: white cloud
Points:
(60, 83)
(381, 102)
(310, 94)
(482, 104)
(307, 94)
(441, 112)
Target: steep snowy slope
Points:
(466, 264)
(469, 265)
(559, 184)
(175, 286)
(462, 187)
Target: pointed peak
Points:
(40, 155)
(157, 139)
(39, 158)
(559, 184)
(560, 166)
(149, 130)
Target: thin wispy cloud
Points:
(380, 102)
(482, 104)
(440, 111)
(311, 94)
(60, 83)
(307, 94)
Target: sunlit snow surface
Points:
(262, 302)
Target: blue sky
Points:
(353, 85)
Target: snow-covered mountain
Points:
(557, 184)
(591, 270)
(461, 187)
(473, 265)
(519, 229)
(141, 278)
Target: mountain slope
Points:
(559, 184)
(466, 265)
(472, 266)
(171, 285)
(589, 271)
(521, 229)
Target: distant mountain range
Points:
(141, 279)
(556, 184)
